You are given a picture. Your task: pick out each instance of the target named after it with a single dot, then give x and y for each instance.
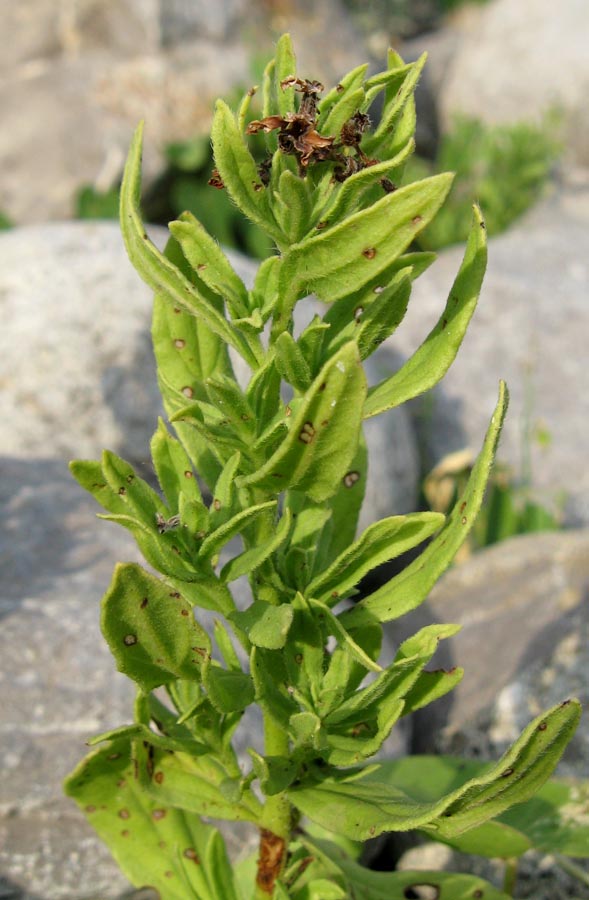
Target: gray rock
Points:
(529, 329)
(523, 609)
(517, 60)
(78, 372)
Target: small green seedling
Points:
(287, 479)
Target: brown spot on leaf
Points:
(387, 185)
(188, 474)
(416, 220)
(90, 808)
(122, 491)
(113, 756)
(542, 726)
(216, 504)
(158, 814)
(369, 253)
(179, 343)
(129, 640)
(124, 814)
(320, 225)
(190, 853)
(187, 391)
(464, 520)
(184, 612)
(158, 777)
(307, 433)
(507, 773)
(176, 595)
(201, 267)
(144, 602)
(350, 479)
(125, 832)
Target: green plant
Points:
(288, 479)
(505, 167)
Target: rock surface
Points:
(530, 330)
(517, 60)
(524, 609)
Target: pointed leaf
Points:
(173, 468)
(206, 257)
(380, 542)
(433, 359)
(346, 256)
(238, 170)
(157, 270)
(370, 807)
(150, 630)
(408, 589)
(323, 435)
(291, 363)
(236, 524)
(167, 848)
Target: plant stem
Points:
(276, 819)
(510, 876)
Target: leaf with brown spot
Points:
(104, 788)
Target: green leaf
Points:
(375, 318)
(380, 542)
(431, 686)
(334, 627)
(156, 269)
(270, 678)
(294, 205)
(410, 588)
(323, 435)
(223, 504)
(551, 821)
(167, 848)
(285, 66)
(349, 103)
(228, 690)
(343, 258)
(163, 742)
(352, 190)
(201, 784)
(173, 469)
(206, 257)
(370, 807)
(275, 773)
(339, 94)
(433, 359)
(265, 625)
(239, 172)
(150, 630)
(397, 98)
(291, 363)
(222, 535)
(345, 506)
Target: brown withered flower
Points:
(297, 134)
